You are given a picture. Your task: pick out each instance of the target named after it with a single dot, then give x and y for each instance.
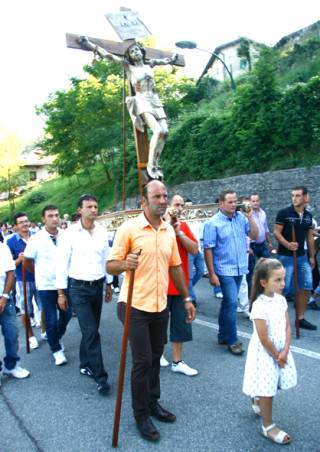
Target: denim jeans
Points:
(304, 273)
(9, 331)
(55, 326)
(228, 312)
(196, 271)
(31, 293)
(87, 303)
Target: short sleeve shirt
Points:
(288, 217)
(184, 258)
(6, 265)
(159, 251)
(227, 236)
(17, 245)
(43, 251)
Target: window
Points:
(33, 175)
(243, 63)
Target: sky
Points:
(36, 62)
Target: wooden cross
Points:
(119, 48)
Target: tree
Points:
(10, 165)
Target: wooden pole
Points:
(296, 288)
(25, 303)
(124, 346)
(124, 147)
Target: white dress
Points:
(262, 375)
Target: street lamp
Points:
(193, 45)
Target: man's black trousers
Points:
(147, 336)
(87, 303)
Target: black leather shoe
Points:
(303, 323)
(148, 430)
(162, 414)
(103, 388)
(313, 305)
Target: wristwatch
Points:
(5, 295)
(187, 300)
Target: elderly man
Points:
(156, 239)
(225, 249)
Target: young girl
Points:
(269, 364)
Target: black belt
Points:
(80, 282)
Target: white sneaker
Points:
(243, 311)
(183, 368)
(33, 342)
(164, 362)
(44, 336)
(17, 372)
(219, 295)
(59, 358)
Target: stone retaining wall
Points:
(274, 188)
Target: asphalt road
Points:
(57, 409)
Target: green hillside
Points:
(64, 193)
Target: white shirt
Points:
(6, 264)
(196, 228)
(82, 255)
(44, 252)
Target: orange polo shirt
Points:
(159, 252)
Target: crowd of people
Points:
(61, 268)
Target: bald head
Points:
(150, 185)
(154, 199)
(177, 202)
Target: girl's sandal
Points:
(255, 406)
(280, 438)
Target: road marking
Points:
(293, 348)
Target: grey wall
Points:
(274, 188)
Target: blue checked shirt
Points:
(228, 239)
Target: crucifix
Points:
(143, 103)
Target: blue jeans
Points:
(9, 331)
(304, 273)
(228, 312)
(55, 327)
(196, 271)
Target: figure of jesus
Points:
(145, 107)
